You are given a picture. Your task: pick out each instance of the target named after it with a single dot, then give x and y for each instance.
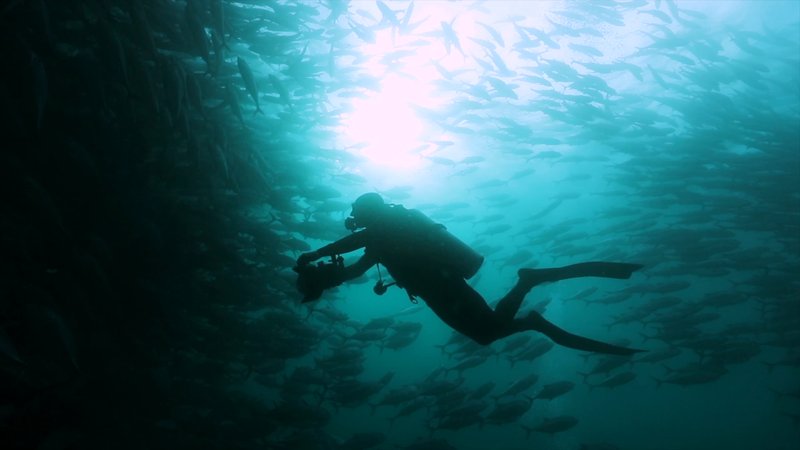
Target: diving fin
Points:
(562, 337)
(620, 271)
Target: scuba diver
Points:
(432, 264)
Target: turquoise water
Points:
(650, 161)
(170, 160)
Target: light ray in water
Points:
(386, 125)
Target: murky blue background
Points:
(169, 160)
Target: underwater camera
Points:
(312, 279)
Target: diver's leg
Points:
(508, 306)
(535, 321)
(466, 311)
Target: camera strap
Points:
(380, 287)
(380, 277)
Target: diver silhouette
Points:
(432, 264)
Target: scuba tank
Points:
(453, 253)
(432, 242)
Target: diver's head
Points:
(366, 210)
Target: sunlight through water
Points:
(385, 125)
(392, 125)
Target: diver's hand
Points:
(306, 258)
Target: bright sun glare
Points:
(383, 125)
(386, 126)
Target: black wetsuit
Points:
(403, 242)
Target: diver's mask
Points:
(353, 223)
(365, 209)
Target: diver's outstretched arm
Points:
(358, 268)
(536, 322)
(346, 244)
